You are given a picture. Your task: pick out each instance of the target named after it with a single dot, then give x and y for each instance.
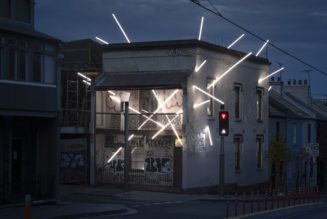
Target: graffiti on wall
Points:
(158, 165)
(116, 165)
(72, 160)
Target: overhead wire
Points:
(216, 12)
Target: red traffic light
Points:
(223, 123)
(223, 115)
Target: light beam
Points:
(121, 28)
(228, 70)
(114, 155)
(233, 43)
(262, 47)
(196, 105)
(101, 40)
(157, 110)
(206, 93)
(201, 27)
(209, 135)
(275, 72)
(200, 66)
(86, 82)
(163, 128)
(171, 124)
(83, 76)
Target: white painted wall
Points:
(200, 160)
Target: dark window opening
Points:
(36, 66)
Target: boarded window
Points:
(237, 146)
(259, 141)
(259, 94)
(36, 66)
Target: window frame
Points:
(238, 101)
(259, 105)
(210, 107)
(259, 154)
(237, 142)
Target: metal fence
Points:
(75, 118)
(41, 188)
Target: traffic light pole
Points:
(221, 167)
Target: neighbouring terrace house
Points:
(294, 122)
(176, 89)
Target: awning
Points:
(141, 80)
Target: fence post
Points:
(251, 202)
(28, 207)
(227, 206)
(243, 203)
(258, 201)
(266, 197)
(235, 204)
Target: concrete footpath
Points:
(65, 210)
(79, 202)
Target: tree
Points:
(279, 158)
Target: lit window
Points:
(237, 101)
(259, 141)
(237, 146)
(259, 94)
(210, 91)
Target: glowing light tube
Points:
(86, 82)
(269, 88)
(157, 110)
(196, 105)
(101, 40)
(209, 135)
(201, 27)
(83, 76)
(121, 28)
(114, 155)
(134, 110)
(110, 92)
(200, 66)
(130, 137)
(228, 70)
(171, 124)
(238, 39)
(275, 72)
(163, 128)
(262, 47)
(209, 95)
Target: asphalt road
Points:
(141, 209)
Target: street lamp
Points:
(124, 107)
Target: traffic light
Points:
(223, 123)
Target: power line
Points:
(216, 12)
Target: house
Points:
(175, 91)
(293, 121)
(81, 58)
(29, 109)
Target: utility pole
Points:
(126, 150)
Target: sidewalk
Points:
(65, 210)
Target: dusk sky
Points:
(297, 26)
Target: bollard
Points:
(266, 203)
(227, 206)
(272, 200)
(277, 200)
(251, 202)
(235, 204)
(243, 203)
(28, 207)
(258, 201)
